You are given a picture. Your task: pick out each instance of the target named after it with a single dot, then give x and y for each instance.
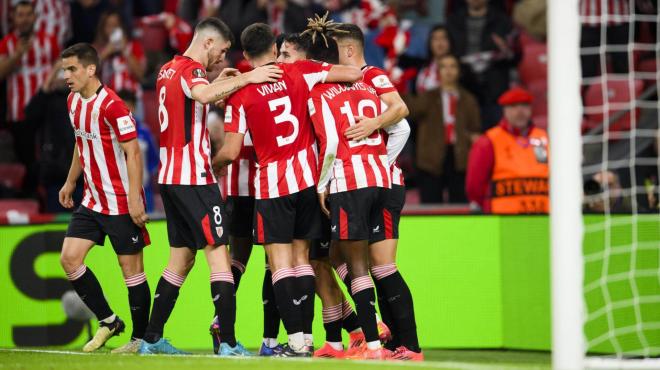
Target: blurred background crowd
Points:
(451, 60)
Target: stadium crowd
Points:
(451, 60)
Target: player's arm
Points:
(222, 88)
(328, 141)
(66, 193)
(134, 166)
(398, 136)
(120, 120)
(396, 111)
(341, 73)
(235, 128)
(229, 151)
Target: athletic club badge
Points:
(199, 73)
(220, 231)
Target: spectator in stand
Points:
(85, 16)
(122, 60)
(54, 17)
(148, 147)
(603, 185)
(26, 59)
(439, 46)
(48, 115)
(617, 24)
(482, 37)
(445, 133)
(508, 166)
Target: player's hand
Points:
(323, 199)
(137, 212)
(228, 72)
(65, 195)
(267, 73)
(364, 126)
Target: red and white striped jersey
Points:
(239, 181)
(378, 79)
(347, 164)
(54, 18)
(100, 123)
(428, 78)
(116, 74)
(276, 116)
(615, 11)
(35, 65)
(185, 148)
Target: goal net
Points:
(606, 307)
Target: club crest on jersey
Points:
(220, 231)
(198, 72)
(382, 82)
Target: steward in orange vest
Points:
(508, 166)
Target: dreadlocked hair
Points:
(321, 28)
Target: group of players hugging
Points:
(306, 160)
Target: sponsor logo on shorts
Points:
(135, 239)
(376, 229)
(324, 244)
(333, 228)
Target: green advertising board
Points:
(477, 281)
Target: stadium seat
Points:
(540, 122)
(22, 206)
(534, 64)
(617, 92)
(153, 37)
(539, 89)
(12, 175)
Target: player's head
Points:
(214, 38)
(322, 46)
(129, 98)
(24, 17)
(294, 48)
(449, 69)
(350, 41)
(79, 63)
(258, 42)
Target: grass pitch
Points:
(37, 359)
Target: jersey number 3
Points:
(285, 116)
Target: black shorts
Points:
(294, 216)
(396, 198)
(240, 212)
(320, 248)
(125, 236)
(358, 214)
(195, 215)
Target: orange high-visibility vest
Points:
(519, 183)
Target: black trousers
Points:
(449, 187)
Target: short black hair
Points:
(257, 39)
(300, 43)
(215, 24)
(16, 4)
(318, 50)
(85, 53)
(127, 96)
(349, 31)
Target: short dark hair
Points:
(127, 96)
(300, 43)
(323, 49)
(349, 31)
(85, 53)
(215, 24)
(257, 39)
(16, 4)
